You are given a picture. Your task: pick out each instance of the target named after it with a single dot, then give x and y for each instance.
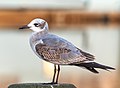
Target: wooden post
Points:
(41, 85)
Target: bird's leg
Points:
(53, 80)
(58, 74)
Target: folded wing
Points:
(59, 51)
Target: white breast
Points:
(33, 42)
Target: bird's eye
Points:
(36, 24)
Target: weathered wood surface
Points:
(41, 85)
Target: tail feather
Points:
(92, 69)
(92, 65)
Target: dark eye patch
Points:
(36, 24)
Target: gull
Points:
(59, 51)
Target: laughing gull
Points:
(59, 51)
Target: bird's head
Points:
(36, 25)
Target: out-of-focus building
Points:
(91, 5)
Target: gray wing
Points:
(59, 51)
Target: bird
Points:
(59, 51)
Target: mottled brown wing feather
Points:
(87, 55)
(53, 54)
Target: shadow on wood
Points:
(41, 85)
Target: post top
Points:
(41, 85)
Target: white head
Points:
(37, 25)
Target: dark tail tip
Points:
(92, 69)
(97, 65)
(92, 65)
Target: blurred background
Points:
(92, 25)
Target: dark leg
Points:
(53, 81)
(58, 74)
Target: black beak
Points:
(24, 27)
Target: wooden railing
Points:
(57, 18)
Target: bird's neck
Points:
(40, 33)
